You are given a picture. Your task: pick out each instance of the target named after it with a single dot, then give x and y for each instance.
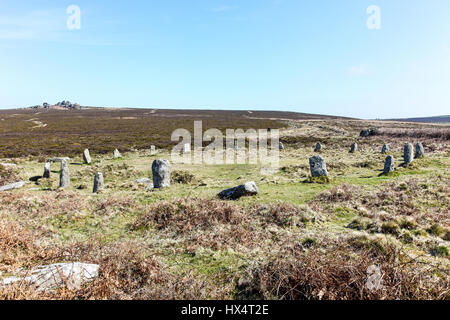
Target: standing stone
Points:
(354, 148)
(247, 189)
(116, 154)
(318, 166)
(420, 151)
(98, 182)
(389, 164)
(86, 156)
(408, 154)
(64, 177)
(281, 146)
(46, 174)
(187, 148)
(152, 150)
(385, 149)
(318, 147)
(161, 173)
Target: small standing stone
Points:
(420, 151)
(318, 147)
(152, 150)
(281, 146)
(354, 148)
(64, 176)
(408, 154)
(385, 149)
(389, 164)
(161, 173)
(318, 166)
(46, 174)
(86, 156)
(116, 154)
(98, 182)
(247, 189)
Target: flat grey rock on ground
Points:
(161, 170)
(318, 166)
(13, 186)
(408, 154)
(54, 276)
(143, 181)
(389, 164)
(420, 151)
(246, 189)
(58, 159)
(8, 165)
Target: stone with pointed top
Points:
(385, 149)
(354, 148)
(116, 154)
(46, 174)
(318, 147)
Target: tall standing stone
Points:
(408, 154)
(64, 176)
(354, 148)
(388, 164)
(98, 182)
(161, 173)
(318, 166)
(86, 156)
(318, 147)
(152, 150)
(116, 154)
(46, 174)
(385, 149)
(420, 151)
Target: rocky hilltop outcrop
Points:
(59, 105)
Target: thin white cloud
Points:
(358, 70)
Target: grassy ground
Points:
(294, 240)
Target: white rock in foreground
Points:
(247, 189)
(55, 276)
(12, 186)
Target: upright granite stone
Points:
(354, 148)
(247, 189)
(86, 156)
(161, 173)
(318, 147)
(281, 146)
(385, 149)
(420, 151)
(46, 174)
(389, 164)
(408, 154)
(152, 150)
(116, 154)
(64, 176)
(98, 182)
(318, 166)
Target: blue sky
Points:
(294, 55)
